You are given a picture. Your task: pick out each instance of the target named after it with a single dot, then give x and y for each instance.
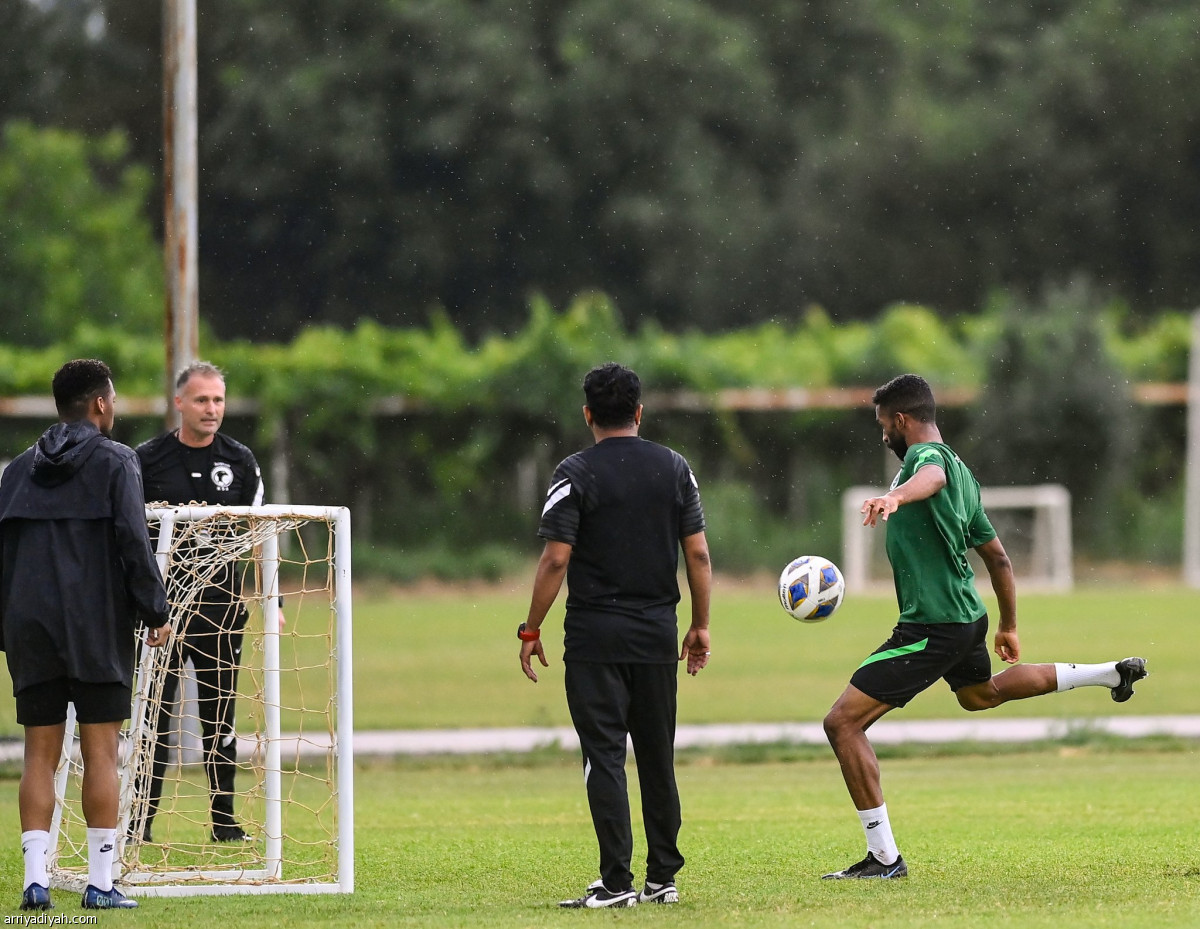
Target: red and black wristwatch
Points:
(528, 635)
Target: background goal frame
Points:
(1045, 564)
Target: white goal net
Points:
(253, 787)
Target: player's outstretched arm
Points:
(928, 480)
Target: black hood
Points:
(62, 450)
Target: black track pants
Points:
(215, 656)
(609, 702)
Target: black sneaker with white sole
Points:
(598, 896)
(870, 867)
(659, 893)
(1131, 670)
(230, 834)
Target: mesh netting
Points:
(230, 769)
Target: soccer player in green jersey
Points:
(933, 515)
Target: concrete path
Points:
(886, 732)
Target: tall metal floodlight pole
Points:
(181, 331)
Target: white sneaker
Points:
(659, 893)
(598, 896)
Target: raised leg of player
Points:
(1034, 680)
(1070, 676)
(1015, 683)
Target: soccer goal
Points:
(1034, 523)
(293, 783)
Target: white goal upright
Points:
(294, 780)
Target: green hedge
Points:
(444, 474)
(528, 369)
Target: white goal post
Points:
(294, 775)
(1034, 523)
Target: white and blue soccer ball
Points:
(811, 588)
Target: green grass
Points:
(1048, 839)
(448, 658)
(451, 659)
(1096, 833)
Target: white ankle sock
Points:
(34, 846)
(102, 845)
(878, 830)
(1071, 676)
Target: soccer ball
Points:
(811, 588)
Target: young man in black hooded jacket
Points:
(77, 576)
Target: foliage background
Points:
(706, 163)
(423, 220)
(444, 448)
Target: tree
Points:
(1009, 146)
(1057, 408)
(75, 246)
(706, 162)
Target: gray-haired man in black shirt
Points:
(614, 520)
(197, 463)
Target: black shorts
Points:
(45, 704)
(917, 654)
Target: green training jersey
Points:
(927, 542)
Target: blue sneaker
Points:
(36, 897)
(94, 899)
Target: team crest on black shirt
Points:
(221, 475)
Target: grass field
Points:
(1051, 839)
(1093, 835)
(448, 658)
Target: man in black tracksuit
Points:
(198, 464)
(614, 520)
(77, 578)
